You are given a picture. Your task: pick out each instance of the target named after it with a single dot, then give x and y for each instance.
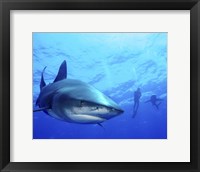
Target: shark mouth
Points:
(97, 110)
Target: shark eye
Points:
(95, 108)
(81, 103)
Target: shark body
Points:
(75, 101)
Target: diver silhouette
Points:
(137, 95)
(155, 101)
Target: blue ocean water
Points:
(116, 64)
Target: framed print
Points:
(99, 86)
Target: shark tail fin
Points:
(62, 73)
(42, 82)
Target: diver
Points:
(155, 101)
(137, 95)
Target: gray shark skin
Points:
(75, 101)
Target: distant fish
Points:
(75, 101)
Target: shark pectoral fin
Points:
(62, 73)
(41, 109)
(101, 125)
(86, 119)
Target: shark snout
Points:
(120, 110)
(117, 111)
(113, 112)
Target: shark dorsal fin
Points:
(42, 82)
(62, 73)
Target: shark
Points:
(75, 101)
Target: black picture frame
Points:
(7, 5)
